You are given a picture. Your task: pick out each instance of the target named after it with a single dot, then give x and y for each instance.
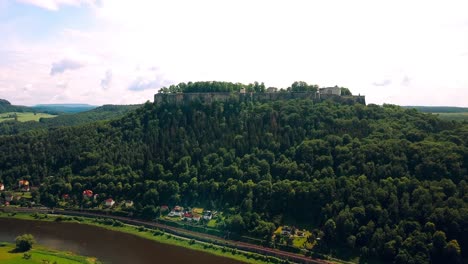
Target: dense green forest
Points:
(105, 112)
(379, 181)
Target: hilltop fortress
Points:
(271, 94)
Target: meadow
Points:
(24, 116)
(40, 255)
(453, 116)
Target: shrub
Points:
(24, 242)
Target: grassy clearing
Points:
(453, 116)
(156, 235)
(40, 255)
(24, 117)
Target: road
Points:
(186, 233)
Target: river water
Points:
(108, 246)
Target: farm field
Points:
(453, 116)
(24, 117)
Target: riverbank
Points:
(151, 234)
(40, 255)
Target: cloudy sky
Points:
(115, 51)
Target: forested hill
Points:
(378, 181)
(6, 106)
(105, 112)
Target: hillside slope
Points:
(6, 106)
(106, 112)
(378, 182)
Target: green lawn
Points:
(24, 117)
(25, 195)
(40, 255)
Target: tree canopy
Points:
(382, 181)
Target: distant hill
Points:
(439, 109)
(444, 112)
(6, 106)
(64, 108)
(106, 112)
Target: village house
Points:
(110, 202)
(2, 187)
(286, 231)
(207, 215)
(128, 203)
(177, 211)
(88, 193)
(164, 208)
(23, 185)
(65, 196)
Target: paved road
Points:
(189, 234)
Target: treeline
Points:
(105, 112)
(382, 182)
(212, 87)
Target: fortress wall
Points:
(208, 98)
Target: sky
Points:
(407, 52)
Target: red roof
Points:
(88, 193)
(188, 215)
(110, 200)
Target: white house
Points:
(110, 202)
(2, 187)
(207, 215)
(128, 203)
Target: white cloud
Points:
(64, 65)
(385, 82)
(54, 5)
(389, 51)
(106, 82)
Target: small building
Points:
(286, 231)
(330, 90)
(207, 215)
(242, 91)
(188, 216)
(2, 187)
(177, 211)
(272, 90)
(128, 203)
(23, 185)
(196, 217)
(164, 208)
(66, 196)
(88, 193)
(110, 202)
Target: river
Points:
(108, 246)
